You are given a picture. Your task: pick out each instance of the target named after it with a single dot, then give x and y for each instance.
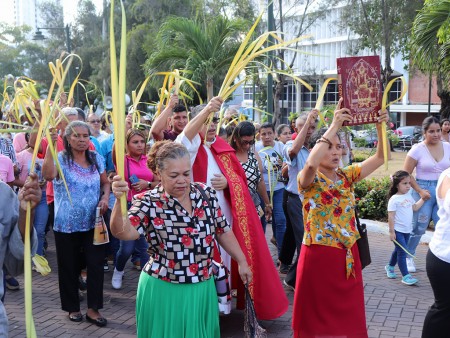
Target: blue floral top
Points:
(77, 214)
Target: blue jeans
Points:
(126, 249)
(399, 255)
(278, 217)
(40, 222)
(422, 217)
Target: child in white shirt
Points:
(400, 212)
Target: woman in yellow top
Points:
(329, 295)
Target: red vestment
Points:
(266, 289)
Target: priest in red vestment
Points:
(214, 162)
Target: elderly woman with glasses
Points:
(95, 122)
(242, 140)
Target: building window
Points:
(395, 91)
(248, 93)
(331, 94)
(309, 98)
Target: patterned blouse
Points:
(252, 173)
(328, 212)
(181, 245)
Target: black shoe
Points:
(289, 286)
(283, 269)
(105, 266)
(100, 321)
(76, 317)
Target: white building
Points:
(318, 62)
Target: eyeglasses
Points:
(251, 142)
(95, 121)
(214, 120)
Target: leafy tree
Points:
(430, 44)
(297, 23)
(204, 49)
(381, 25)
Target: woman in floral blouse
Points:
(329, 297)
(176, 295)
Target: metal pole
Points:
(69, 50)
(270, 24)
(429, 93)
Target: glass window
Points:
(395, 91)
(331, 94)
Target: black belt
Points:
(292, 194)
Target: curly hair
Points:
(162, 151)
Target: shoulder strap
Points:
(205, 197)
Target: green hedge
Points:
(371, 197)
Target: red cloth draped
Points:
(266, 289)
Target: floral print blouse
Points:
(328, 212)
(181, 245)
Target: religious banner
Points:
(359, 83)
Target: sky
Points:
(70, 9)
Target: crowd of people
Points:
(199, 198)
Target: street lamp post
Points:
(38, 36)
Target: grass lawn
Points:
(396, 163)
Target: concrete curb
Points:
(383, 228)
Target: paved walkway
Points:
(392, 309)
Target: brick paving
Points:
(392, 309)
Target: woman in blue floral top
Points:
(329, 297)
(176, 295)
(88, 188)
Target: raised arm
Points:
(308, 173)
(301, 136)
(160, 123)
(194, 125)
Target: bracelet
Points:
(324, 140)
(327, 140)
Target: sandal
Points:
(76, 317)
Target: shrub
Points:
(360, 142)
(371, 198)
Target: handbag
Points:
(252, 328)
(363, 243)
(101, 235)
(220, 272)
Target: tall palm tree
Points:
(205, 50)
(430, 42)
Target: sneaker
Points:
(409, 280)
(410, 264)
(289, 286)
(116, 280)
(105, 266)
(390, 271)
(12, 283)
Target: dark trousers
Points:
(288, 246)
(437, 320)
(68, 246)
(295, 214)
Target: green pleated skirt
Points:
(168, 310)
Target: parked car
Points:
(408, 135)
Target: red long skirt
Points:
(326, 303)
